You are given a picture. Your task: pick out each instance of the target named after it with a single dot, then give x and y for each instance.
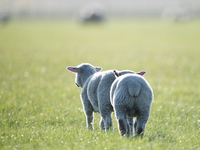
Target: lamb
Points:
(95, 93)
(131, 96)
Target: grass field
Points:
(40, 106)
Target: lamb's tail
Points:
(134, 88)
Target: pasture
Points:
(40, 106)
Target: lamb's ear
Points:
(98, 69)
(73, 69)
(142, 73)
(116, 74)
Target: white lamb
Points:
(131, 96)
(95, 93)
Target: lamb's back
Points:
(103, 91)
(131, 89)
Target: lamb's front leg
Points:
(130, 122)
(87, 109)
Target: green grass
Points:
(40, 106)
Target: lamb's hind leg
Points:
(106, 122)
(89, 119)
(120, 114)
(102, 127)
(140, 124)
(122, 125)
(105, 110)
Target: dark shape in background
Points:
(95, 11)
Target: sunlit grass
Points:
(40, 106)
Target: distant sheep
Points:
(131, 96)
(95, 93)
(4, 19)
(92, 12)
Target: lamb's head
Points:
(83, 71)
(119, 73)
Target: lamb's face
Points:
(78, 80)
(83, 71)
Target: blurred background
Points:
(85, 10)
(40, 38)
